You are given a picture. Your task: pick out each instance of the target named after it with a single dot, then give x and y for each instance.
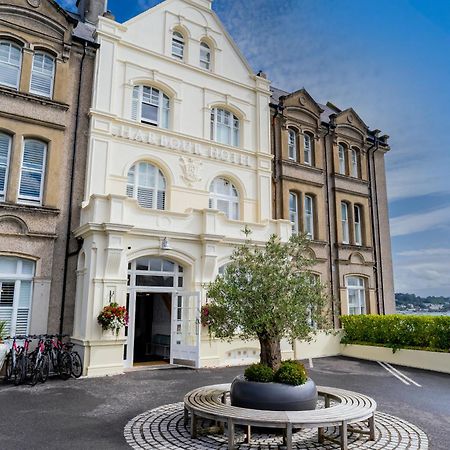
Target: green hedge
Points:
(398, 331)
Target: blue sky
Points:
(390, 61)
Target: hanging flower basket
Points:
(205, 315)
(113, 317)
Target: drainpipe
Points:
(330, 126)
(69, 216)
(277, 160)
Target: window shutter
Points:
(5, 141)
(6, 303)
(161, 200)
(23, 308)
(135, 102)
(145, 197)
(32, 172)
(42, 75)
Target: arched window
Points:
(292, 145)
(344, 222)
(356, 295)
(147, 184)
(309, 217)
(342, 159)
(293, 211)
(42, 74)
(308, 149)
(177, 45)
(357, 224)
(32, 171)
(150, 106)
(224, 127)
(205, 56)
(5, 150)
(10, 63)
(354, 163)
(16, 279)
(224, 196)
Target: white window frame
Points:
(344, 223)
(355, 165)
(233, 126)
(136, 184)
(41, 73)
(307, 149)
(357, 210)
(163, 112)
(293, 211)
(18, 278)
(205, 56)
(308, 218)
(342, 166)
(232, 201)
(8, 63)
(28, 199)
(178, 45)
(357, 291)
(292, 144)
(5, 166)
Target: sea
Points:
(423, 313)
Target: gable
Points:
(351, 119)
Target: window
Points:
(177, 45)
(356, 295)
(42, 74)
(292, 145)
(5, 149)
(357, 224)
(344, 221)
(10, 62)
(342, 164)
(150, 106)
(16, 282)
(225, 197)
(32, 171)
(309, 217)
(307, 149)
(355, 163)
(205, 56)
(224, 127)
(147, 184)
(293, 211)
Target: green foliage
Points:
(398, 331)
(291, 372)
(267, 292)
(2, 330)
(259, 372)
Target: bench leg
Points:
(193, 425)
(321, 435)
(289, 437)
(186, 416)
(230, 435)
(344, 436)
(248, 437)
(372, 428)
(327, 401)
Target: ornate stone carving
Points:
(191, 170)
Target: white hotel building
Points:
(179, 162)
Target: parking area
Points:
(91, 413)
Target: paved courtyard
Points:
(93, 413)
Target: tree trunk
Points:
(270, 351)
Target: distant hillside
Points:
(416, 303)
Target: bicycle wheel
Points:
(45, 368)
(8, 367)
(65, 365)
(77, 365)
(35, 372)
(19, 369)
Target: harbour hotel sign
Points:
(181, 145)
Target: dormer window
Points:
(10, 63)
(177, 45)
(150, 106)
(205, 56)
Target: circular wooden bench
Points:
(210, 402)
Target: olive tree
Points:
(267, 293)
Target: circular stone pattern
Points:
(163, 428)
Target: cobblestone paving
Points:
(163, 428)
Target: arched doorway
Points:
(164, 319)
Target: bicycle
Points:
(16, 360)
(60, 359)
(39, 361)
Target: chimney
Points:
(90, 10)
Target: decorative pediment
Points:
(12, 225)
(301, 100)
(351, 119)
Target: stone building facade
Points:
(329, 182)
(46, 72)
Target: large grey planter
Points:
(273, 396)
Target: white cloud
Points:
(426, 252)
(415, 223)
